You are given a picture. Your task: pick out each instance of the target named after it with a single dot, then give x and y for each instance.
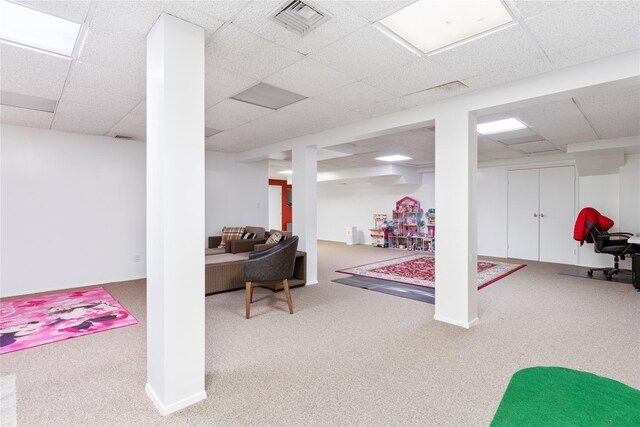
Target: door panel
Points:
(522, 214)
(557, 215)
(275, 207)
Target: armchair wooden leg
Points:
(248, 295)
(285, 284)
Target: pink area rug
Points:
(33, 321)
(419, 270)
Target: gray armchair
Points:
(270, 267)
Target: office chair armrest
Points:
(623, 235)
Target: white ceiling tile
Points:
(107, 101)
(136, 18)
(221, 9)
(24, 117)
(374, 11)
(613, 115)
(501, 49)
(559, 122)
(410, 78)
(230, 113)
(239, 51)
(354, 96)
(341, 119)
(223, 83)
(116, 52)
(436, 94)
(508, 74)
(312, 109)
(127, 128)
(125, 83)
(530, 8)
(32, 73)
(504, 153)
(364, 53)
(75, 11)
(308, 78)
(534, 147)
(487, 144)
(139, 114)
(343, 21)
(586, 30)
(84, 119)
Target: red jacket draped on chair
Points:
(587, 219)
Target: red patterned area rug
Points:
(419, 270)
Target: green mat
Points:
(547, 396)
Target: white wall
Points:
(601, 192)
(617, 196)
(237, 194)
(73, 210)
(73, 207)
(344, 205)
(492, 212)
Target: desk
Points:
(635, 239)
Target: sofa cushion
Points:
(287, 234)
(249, 236)
(214, 251)
(260, 231)
(219, 259)
(231, 233)
(275, 237)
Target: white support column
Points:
(175, 214)
(304, 204)
(456, 235)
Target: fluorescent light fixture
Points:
(396, 38)
(28, 102)
(23, 26)
(287, 172)
(430, 25)
(268, 96)
(500, 126)
(393, 158)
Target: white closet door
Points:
(275, 207)
(522, 219)
(557, 215)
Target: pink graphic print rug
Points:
(33, 321)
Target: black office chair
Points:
(615, 244)
(271, 267)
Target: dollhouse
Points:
(409, 229)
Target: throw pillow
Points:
(249, 236)
(274, 238)
(231, 233)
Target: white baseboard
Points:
(456, 322)
(97, 283)
(181, 404)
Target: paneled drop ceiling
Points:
(347, 69)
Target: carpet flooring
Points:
(554, 396)
(346, 357)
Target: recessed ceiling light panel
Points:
(28, 27)
(393, 158)
(28, 102)
(268, 96)
(287, 172)
(431, 25)
(499, 126)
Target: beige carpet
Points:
(346, 357)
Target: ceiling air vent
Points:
(299, 17)
(123, 137)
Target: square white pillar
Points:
(175, 214)
(456, 231)
(304, 183)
